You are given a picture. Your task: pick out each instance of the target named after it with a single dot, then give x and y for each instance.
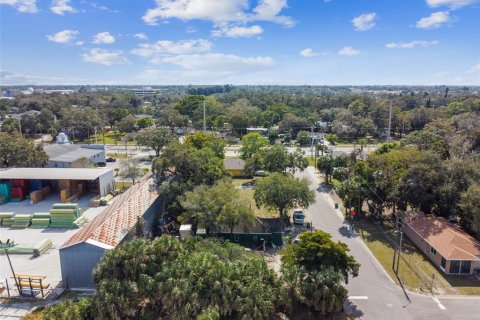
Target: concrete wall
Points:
(106, 183)
(423, 245)
(77, 263)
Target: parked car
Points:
(101, 164)
(110, 160)
(298, 216)
(261, 173)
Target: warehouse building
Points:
(116, 224)
(69, 183)
(63, 155)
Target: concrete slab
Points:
(47, 264)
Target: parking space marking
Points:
(357, 298)
(439, 304)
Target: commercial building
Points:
(115, 225)
(444, 243)
(99, 181)
(63, 155)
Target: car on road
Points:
(110, 160)
(101, 164)
(298, 216)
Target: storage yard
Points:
(40, 210)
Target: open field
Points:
(109, 139)
(248, 194)
(416, 270)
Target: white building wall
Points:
(106, 183)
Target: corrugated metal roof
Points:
(69, 152)
(54, 173)
(113, 224)
(449, 240)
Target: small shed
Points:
(115, 225)
(234, 166)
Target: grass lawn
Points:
(123, 185)
(415, 269)
(109, 139)
(248, 194)
(117, 155)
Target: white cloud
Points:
(225, 11)
(348, 51)
(10, 78)
(209, 67)
(103, 37)
(105, 57)
(164, 48)
(364, 22)
(308, 53)
(411, 44)
(141, 36)
(65, 36)
(434, 20)
(237, 31)
(24, 6)
(453, 4)
(474, 69)
(61, 7)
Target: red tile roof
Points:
(112, 225)
(448, 239)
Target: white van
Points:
(298, 216)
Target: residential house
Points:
(450, 248)
(234, 166)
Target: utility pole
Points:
(204, 121)
(311, 141)
(359, 185)
(20, 126)
(399, 250)
(6, 246)
(389, 122)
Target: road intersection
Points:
(373, 294)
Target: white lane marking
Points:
(439, 304)
(357, 298)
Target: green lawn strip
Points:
(118, 155)
(415, 268)
(123, 185)
(247, 194)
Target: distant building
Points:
(450, 248)
(263, 131)
(234, 166)
(63, 154)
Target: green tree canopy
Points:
(282, 192)
(251, 144)
(155, 139)
(202, 140)
(184, 280)
(20, 152)
(316, 250)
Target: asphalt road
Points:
(373, 295)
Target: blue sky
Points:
(294, 42)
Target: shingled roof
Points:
(112, 225)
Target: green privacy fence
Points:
(252, 240)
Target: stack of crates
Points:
(22, 220)
(40, 220)
(19, 190)
(5, 192)
(7, 218)
(63, 215)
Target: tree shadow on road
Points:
(351, 309)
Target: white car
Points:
(298, 216)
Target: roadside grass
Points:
(247, 194)
(123, 185)
(311, 161)
(109, 139)
(117, 155)
(415, 269)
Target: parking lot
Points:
(47, 264)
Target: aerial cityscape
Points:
(239, 159)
